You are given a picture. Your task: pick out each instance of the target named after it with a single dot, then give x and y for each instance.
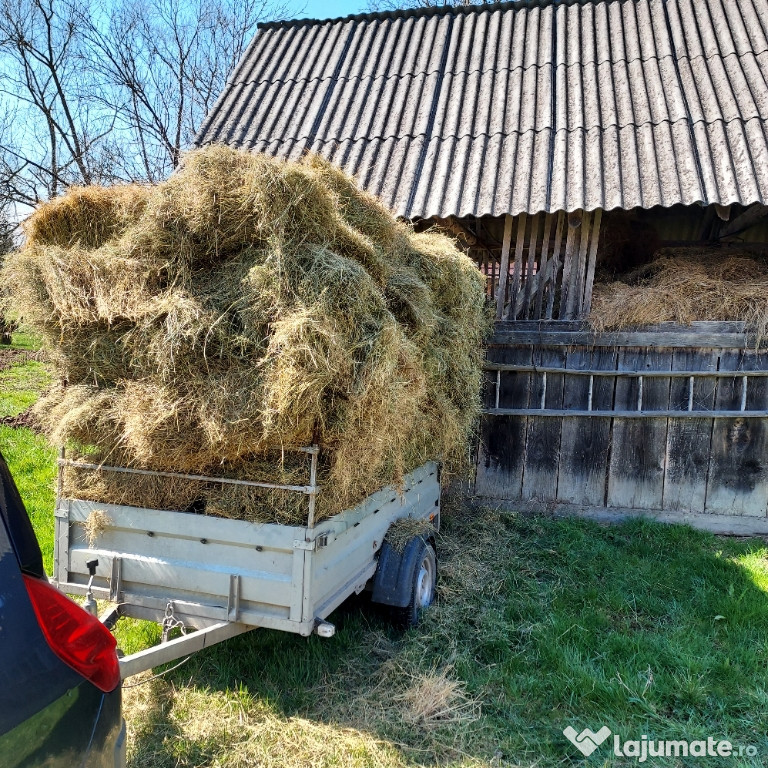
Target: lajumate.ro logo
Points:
(587, 741)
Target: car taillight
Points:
(74, 635)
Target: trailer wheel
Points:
(422, 586)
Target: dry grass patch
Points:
(434, 699)
(406, 528)
(170, 726)
(96, 523)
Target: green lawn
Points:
(21, 385)
(541, 623)
(29, 456)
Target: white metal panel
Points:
(190, 560)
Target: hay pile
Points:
(686, 284)
(243, 308)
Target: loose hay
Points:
(435, 699)
(686, 284)
(405, 529)
(95, 524)
(243, 308)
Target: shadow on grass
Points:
(648, 629)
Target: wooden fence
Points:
(671, 421)
(544, 267)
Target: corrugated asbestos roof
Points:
(521, 106)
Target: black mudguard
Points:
(393, 581)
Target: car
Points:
(60, 691)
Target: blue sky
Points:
(329, 9)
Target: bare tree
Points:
(100, 93)
(6, 244)
(165, 61)
(55, 128)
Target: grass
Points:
(541, 623)
(33, 465)
(24, 340)
(29, 456)
(21, 385)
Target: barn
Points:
(561, 141)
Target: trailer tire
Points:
(422, 586)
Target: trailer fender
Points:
(393, 580)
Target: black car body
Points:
(60, 697)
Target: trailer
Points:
(216, 578)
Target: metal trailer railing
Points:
(223, 577)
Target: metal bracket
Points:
(318, 543)
(233, 602)
(115, 582)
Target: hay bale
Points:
(686, 284)
(245, 306)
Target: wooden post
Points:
(545, 267)
(517, 273)
(504, 267)
(586, 304)
(555, 263)
(576, 293)
(569, 264)
(532, 243)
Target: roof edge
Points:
(435, 10)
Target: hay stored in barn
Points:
(245, 307)
(686, 284)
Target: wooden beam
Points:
(504, 268)
(746, 219)
(532, 245)
(522, 221)
(555, 263)
(569, 264)
(576, 292)
(586, 304)
(544, 266)
(552, 338)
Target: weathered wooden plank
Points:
(529, 277)
(542, 452)
(576, 291)
(545, 266)
(631, 415)
(746, 219)
(556, 264)
(636, 474)
(664, 338)
(504, 269)
(689, 439)
(511, 297)
(737, 482)
(501, 454)
(628, 374)
(585, 442)
(586, 303)
(569, 266)
(696, 326)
